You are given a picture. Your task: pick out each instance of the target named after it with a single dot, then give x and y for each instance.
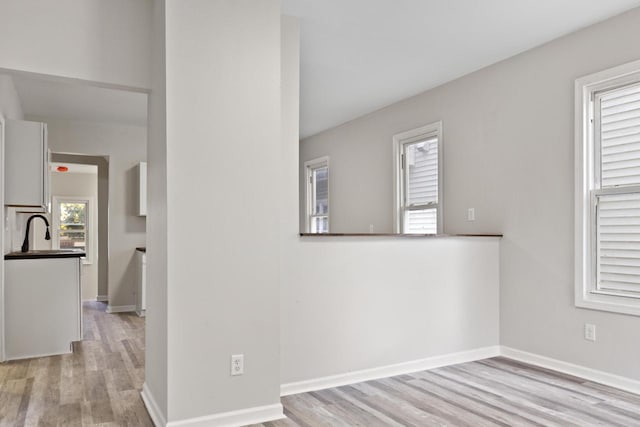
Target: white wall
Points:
(508, 148)
(156, 322)
(360, 178)
(82, 185)
(222, 118)
(125, 147)
(95, 40)
(10, 107)
(355, 303)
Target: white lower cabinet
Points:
(141, 291)
(43, 309)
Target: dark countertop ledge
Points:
(55, 253)
(141, 249)
(431, 236)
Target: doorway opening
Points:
(79, 211)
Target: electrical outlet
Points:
(237, 364)
(370, 228)
(589, 332)
(471, 214)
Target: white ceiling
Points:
(360, 55)
(69, 100)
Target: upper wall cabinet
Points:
(26, 164)
(142, 189)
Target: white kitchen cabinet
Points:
(26, 164)
(141, 290)
(43, 311)
(142, 189)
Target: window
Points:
(418, 176)
(317, 218)
(71, 218)
(608, 190)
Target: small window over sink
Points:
(71, 218)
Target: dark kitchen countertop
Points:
(141, 249)
(430, 236)
(55, 253)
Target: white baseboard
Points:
(152, 407)
(594, 375)
(389, 370)
(102, 298)
(243, 417)
(36, 356)
(120, 308)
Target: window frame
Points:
(55, 214)
(309, 167)
(400, 140)
(587, 189)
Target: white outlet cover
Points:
(471, 214)
(237, 364)
(589, 332)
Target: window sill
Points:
(434, 236)
(610, 303)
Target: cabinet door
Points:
(141, 288)
(46, 173)
(142, 189)
(26, 164)
(42, 306)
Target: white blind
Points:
(620, 137)
(421, 186)
(423, 221)
(618, 210)
(619, 242)
(318, 209)
(422, 172)
(320, 179)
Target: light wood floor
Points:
(99, 384)
(492, 392)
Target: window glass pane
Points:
(321, 191)
(620, 136)
(320, 224)
(73, 225)
(424, 221)
(421, 171)
(619, 242)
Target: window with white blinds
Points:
(418, 180)
(608, 190)
(618, 112)
(617, 190)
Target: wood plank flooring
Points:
(99, 384)
(491, 392)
